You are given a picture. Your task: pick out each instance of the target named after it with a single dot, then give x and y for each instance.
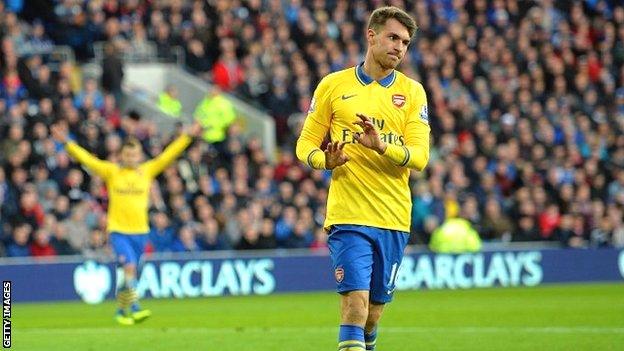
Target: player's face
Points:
(389, 44)
(131, 156)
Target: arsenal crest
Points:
(398, 100)
(339, 274)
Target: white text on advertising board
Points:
(201, 278)
(470, 270)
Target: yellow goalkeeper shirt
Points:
(128, 188)
(370, 189)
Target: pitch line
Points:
(322, 330)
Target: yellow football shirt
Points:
(128, 188)
(370, 189)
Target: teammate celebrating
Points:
(128, 185)
(378, 125)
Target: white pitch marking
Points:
(398, 330)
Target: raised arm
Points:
(155, 166)
(84, 157)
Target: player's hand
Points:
(369, 138)
(195, 130)
(334, 155)
(59, 132)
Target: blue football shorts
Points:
(128, 247)
(366, 258)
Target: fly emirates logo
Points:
(129, 188)
(387, 136)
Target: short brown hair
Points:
(131, 142)
(379, 17)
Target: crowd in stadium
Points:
(526, 102)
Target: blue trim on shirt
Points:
(366, 79)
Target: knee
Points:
(355, 310)
(355, 315)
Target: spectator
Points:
(455, 235)
(192, 169)
(162, 234)
(18, 246)
(12, 91)
(565, 232)
(320, 240)
(97, 248)
(111, 113)
(234, 222)
(164, 41)
(31, 211)
(496, 225)
(46, 188)
(38, 42)
(77, 230)
(61, 209)
(215, 113)
(59, 240)
(211, 238)
(250, 239)
(72, 186)
(227, 72)
(285, 226)
(267, 236)
(196, 59)
(548, 221)
(139, 44)
(112, 72)
(527, 230)
(301, 236)
(91, 139)
(41, 246)
(601, 236)
(186, 240)
(11, 207)
(169, 103)
(90, 95)
(9, 145)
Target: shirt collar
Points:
(365, 79)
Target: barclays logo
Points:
(472, 270)
(206, 278)
(92, 281)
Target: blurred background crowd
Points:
(526, 102)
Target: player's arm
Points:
(415, 153)
(84, 157)
(155, 166)
(315, 128)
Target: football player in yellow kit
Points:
(377, 120)
(128, 185)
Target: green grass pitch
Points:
(559, 317)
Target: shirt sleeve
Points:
(84, 157)
(315, 128)
(415, 153)
(171, 152)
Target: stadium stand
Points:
(526, 104)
